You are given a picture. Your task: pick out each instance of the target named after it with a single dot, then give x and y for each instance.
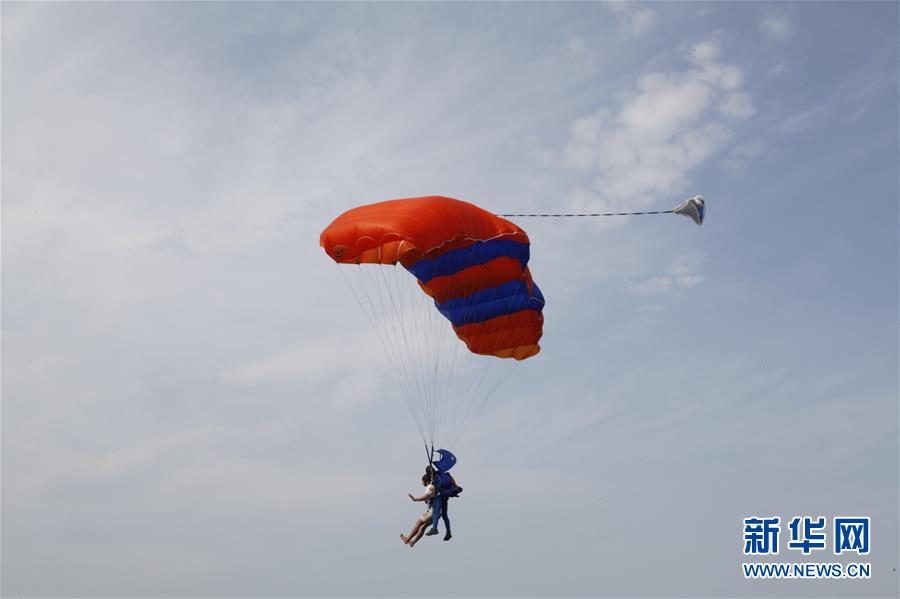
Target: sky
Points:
(194, 405)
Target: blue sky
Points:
(194, 405)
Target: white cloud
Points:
(856, 114)
(534, 146)
(780, 68)
(804, 120)
(706, 10)
(662, 106)
(582, 150)
(741, 155)
(706, 51)
(634, 19)
(320, 359)
(681, 274)
(579, 51)
(776, 25)
(737, 105)
(665, 127)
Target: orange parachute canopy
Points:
(474, 265)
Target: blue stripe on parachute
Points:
(478, 253)
(537, 296)
(490, 303)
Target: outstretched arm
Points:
(424, 497)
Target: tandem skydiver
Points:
(421, 524)
(445, 488)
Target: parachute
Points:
(446, 461)
(694, 208)
(469, 270)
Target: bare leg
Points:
(415, 539)
(415, 529)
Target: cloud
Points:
(706, 51)
(776, 26)
(737, 105)
(535, 147)
(581, 152)
(634, 19)
(681, 274)
(741, 155)
(804, 120)
(780, 68)
(665, 127)
(578, 51)
(662, 106)
(321, 358)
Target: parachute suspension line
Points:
(482, 390)
(441, 344)
(393, 318)
(401, 320)
(416, 325)
(437, 330)
(473, 405)
(479, 366)
(463, 361)
(470, 364)
(424, 341)
(371, 316)
(470, 394)
(379, 324)
(407, 323)
(412, 314)
(449, 384)
(482, 369)
(451, 381)
(399, 359)
(394, 323)
(433, 368)
(407, 319)
(429, 346)
(503, 374)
